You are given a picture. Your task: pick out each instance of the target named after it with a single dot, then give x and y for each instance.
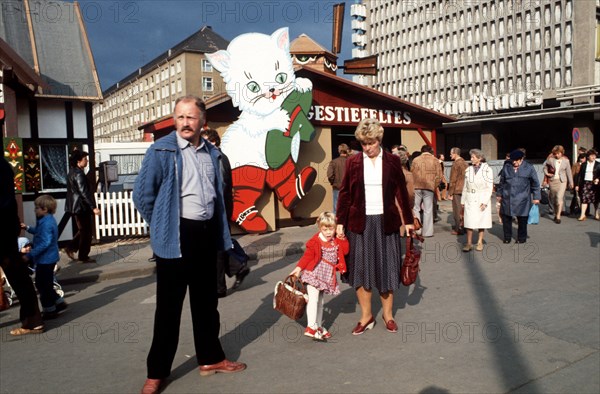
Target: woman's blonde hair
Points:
(369, 129)
(326, 219)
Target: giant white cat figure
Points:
(264, 143)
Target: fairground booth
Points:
(337, 107)
(48, 84)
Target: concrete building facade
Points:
(150, 92)
(511, 71)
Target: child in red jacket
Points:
(324, 256)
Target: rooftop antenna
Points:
(360, 64)
(338, 27)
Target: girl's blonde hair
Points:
(326, 219)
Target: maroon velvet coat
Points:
(351, 210)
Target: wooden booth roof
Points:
(56, 49)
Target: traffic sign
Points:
(576, 135)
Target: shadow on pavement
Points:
(512, 369)
(103, 298)
(594, 239)
(260, 321)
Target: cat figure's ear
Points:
(220, 60)
(281, 38)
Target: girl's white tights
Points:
(314, 307)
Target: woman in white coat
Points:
(475, 200)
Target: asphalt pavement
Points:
(512, 318)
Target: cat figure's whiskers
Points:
(256, 98)
(287, 88)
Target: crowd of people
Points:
(30, 266)
(21, 259)
(183, 191)
(471, 188)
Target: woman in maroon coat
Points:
(367, 211)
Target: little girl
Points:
(323, 256)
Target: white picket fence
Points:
(118, 216)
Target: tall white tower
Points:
(359, 37)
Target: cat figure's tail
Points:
(248, 185)
(289, 186)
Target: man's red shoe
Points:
(224, 366)
(152, 386)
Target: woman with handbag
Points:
(558, 174)
(475, 199)
(367, 213)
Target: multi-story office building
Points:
(150, 92)
(515, 73)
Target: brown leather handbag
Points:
(410, 266)
(290, 297)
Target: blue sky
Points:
(125, 35)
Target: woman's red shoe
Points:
(359, 329)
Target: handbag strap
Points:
(295, 283)
(409, 243)
(413, 235)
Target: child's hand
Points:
(23, 226)
(340, 268)
(296, 271)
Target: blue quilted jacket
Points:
(45, 241)
(156, 196)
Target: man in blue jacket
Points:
(179, 193)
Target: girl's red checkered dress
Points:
(323, 276)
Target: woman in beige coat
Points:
(558, 172)
(476, 196)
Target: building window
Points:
(179, 87)
(207, 84)
(128, 164)
(206, 66)
(178, 66)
